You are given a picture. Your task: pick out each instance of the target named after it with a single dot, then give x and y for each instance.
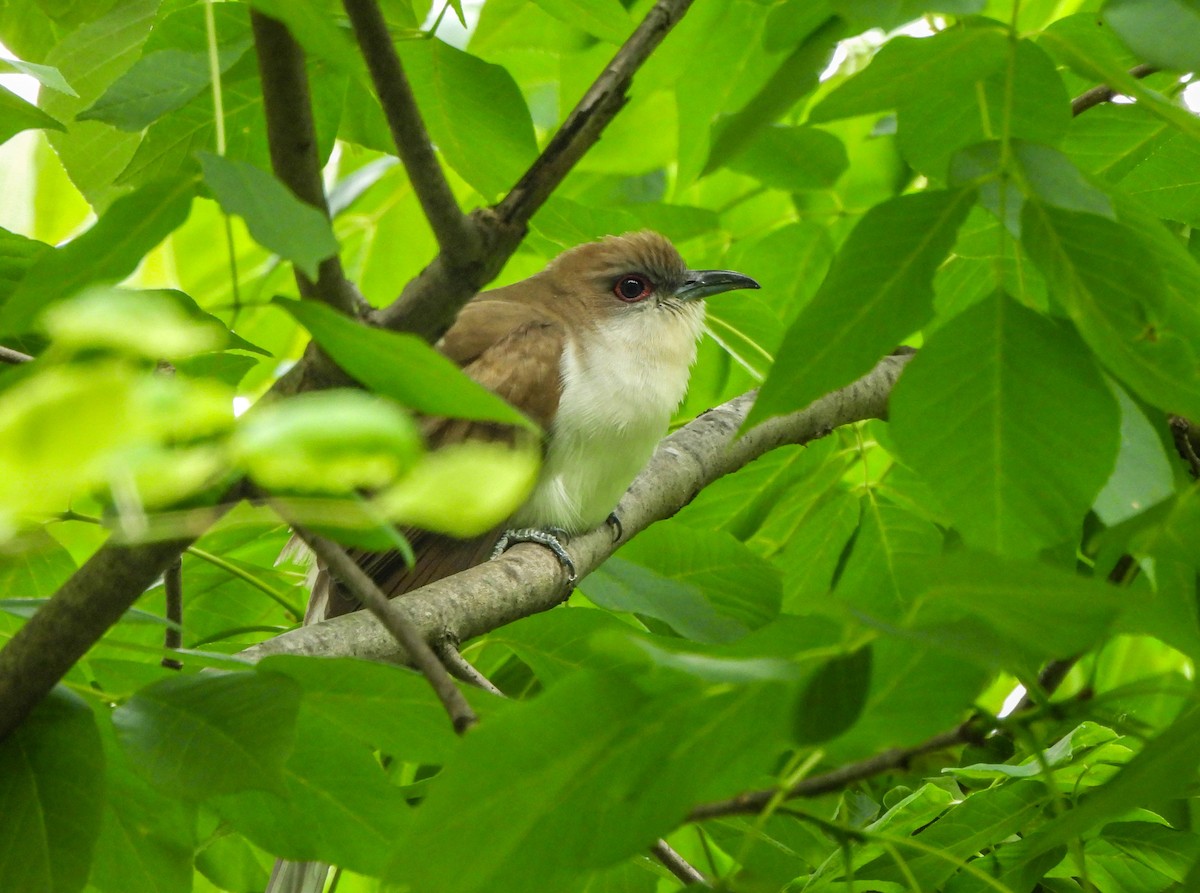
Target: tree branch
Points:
(64, 628)
(429, 303)
(528, 579)
(1103, 93)
(13, 357)
(292, 138)
(397, 623)
(455, 233)
(677, 865)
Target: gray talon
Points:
(548, 538)
(614, 522)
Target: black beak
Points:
(703, 283)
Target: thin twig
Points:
(173, 587)
(1103, 93)
(840, 778)
(292, 138)
(463, 669)
(396, 621)
(591, 114)
(456, 235)
(14, 357)
(677, 865)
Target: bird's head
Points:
(637, 273)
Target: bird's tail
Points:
(298, 877)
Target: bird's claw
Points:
(614, 521)
(550, 537)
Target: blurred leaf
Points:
(16, 115)
(833, 698)
(888, 14)
(1142, 476)
(463, 489)
(877, 292)
(17, 255)
(793, 158)
(902, 65)
(401, 366)
(109, 251)
(152, 324)
(987, 412)
(605, 19)
(158, 83)
(276, 218)
(1155, 180)
(34, 567)
(1114, 294)
(475, 114)
(201, 736)
(51, 795)
(334, 441)
(999, 610)
(1163, 33)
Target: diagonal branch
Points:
(292, 138)
(455, 233)
(429, 303)
(396, 621)
(1103, 93)
(529, 579)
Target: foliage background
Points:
(1026, 508)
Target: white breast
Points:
(619, 388)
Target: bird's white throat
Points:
(617, 400)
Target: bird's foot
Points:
(551, 537)
(614, 521)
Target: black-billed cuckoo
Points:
(596, 349)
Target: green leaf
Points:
(276, 218)
(147, 837)
(1114, 293)
(385, 707)
(606, 19)
(1161, 847)
(832, 700)
(793, 158)
(316, 30)
(878, 577)
(1153, 775)
(200, 736)
(336, 803)
(51, 796)
(1163, 33)
(981, 821)
(705, 584)
(475, 114)
(158, 83)
(16, 115)
(878, 291)
(336, 440)
(903, 64)
(944, 114)
(1156, 180)
(46, 75)
(1142, 476)
(109, 251)
(889, 14)
(987, 412)
(37, 569)
(1000, 610)
(17, 255)
(400, 366)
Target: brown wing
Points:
(522, 366)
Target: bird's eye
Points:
(632, 288)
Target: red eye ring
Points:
(632, 288)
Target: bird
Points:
(597, 349)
